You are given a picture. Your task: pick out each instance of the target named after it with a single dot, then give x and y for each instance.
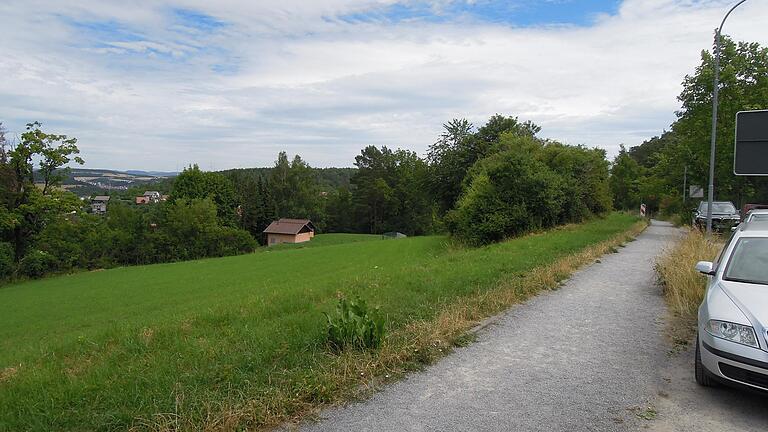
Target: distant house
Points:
(289, 231)
(99, 204)
(153, 196)
(142, 200)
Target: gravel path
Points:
(583, 358)
(685, 406)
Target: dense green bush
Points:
(225, 241)
(6, 260)
(354, 325)
(528, 184)
(37, 263)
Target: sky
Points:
(159, 85)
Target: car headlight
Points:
(738, 333)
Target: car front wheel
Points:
(703, 378)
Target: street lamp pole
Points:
(715, 91)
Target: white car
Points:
(732, 342)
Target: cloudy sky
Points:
(145, 84)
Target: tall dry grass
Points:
(683, 286)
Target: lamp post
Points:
(715, 91)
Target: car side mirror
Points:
(705, 267)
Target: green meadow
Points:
(146, 346)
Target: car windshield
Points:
(749, 261)
(758, 217)
(718, 207)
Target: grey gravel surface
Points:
(683, 405)
(583, 358)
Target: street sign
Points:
(750, 154)
(696, 192)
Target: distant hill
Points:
(86, 181)
(152, 173)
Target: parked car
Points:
(749, 207)
(732, 339)
(756, 215)
(724, 215)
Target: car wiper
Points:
(732, 279)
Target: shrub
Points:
(354, 325)
(6, 260)
(37, 263)
(224, 241)
(508, 194)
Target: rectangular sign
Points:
(696, 192)
(750, 154)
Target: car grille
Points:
(744, 375)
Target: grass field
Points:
(225, 343)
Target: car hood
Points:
(752, 299)
(716, 214)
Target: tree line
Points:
(478, 184)
(653, 172)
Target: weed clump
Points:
(354, 325)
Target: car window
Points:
(718, 207)
(749, 261)
(716, 263)
(758, 216)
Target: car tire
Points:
(703, 377)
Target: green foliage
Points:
(625, 181)
(508, 194)
(192, 183)
(37, 263)
(26, 209)
(7, 262)
(296, 186)
(354, 325)
(657, 178)
(460, 146)
(528, 184)
(391, 192)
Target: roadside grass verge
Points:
(238, 343)
(683, 286)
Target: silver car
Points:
(732, 343)
(756, 215)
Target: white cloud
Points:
(141, 90)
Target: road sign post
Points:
(750, 152)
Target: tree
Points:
(55, 151)
(458, 148)
(744, 86)
(27, 208)
(626, 176)
(391, 192)
(192, 183)
(508, 194)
